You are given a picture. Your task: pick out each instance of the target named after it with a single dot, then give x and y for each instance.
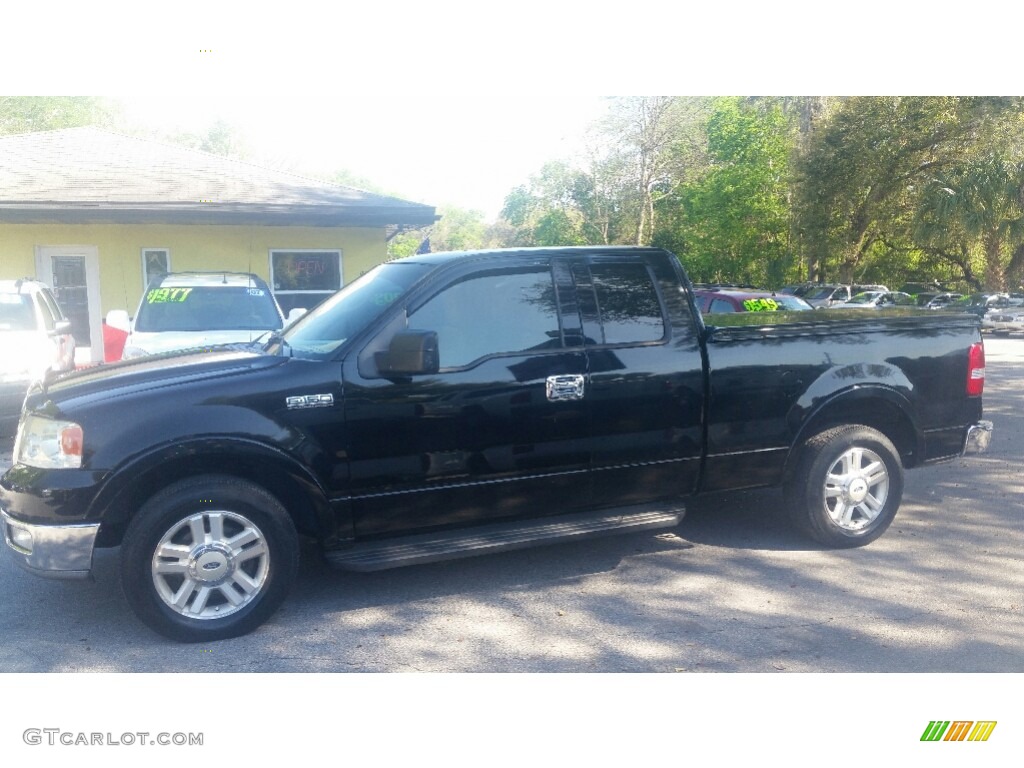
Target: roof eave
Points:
(214, 213)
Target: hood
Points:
(168, 341)
(111, 380)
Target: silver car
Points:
(1003, 320)
(35, 338)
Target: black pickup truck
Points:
(448, 405)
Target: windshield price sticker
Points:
(256, 292)
(761, 305)
(167, 295)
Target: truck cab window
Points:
(494, 313)
(627, 301)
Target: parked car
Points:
(456, 404)
(827, 295)
(798, 289)
(35, 338)
(916, 289)
(979, 304)
(728, 300)
(1003, 320)
(189, 310)
(937, 300)
(877, 300)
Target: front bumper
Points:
(978, 437)
(51, 551)
(1003, 323)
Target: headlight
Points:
(48, 444)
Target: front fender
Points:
(133, 481)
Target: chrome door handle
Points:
(565, 387)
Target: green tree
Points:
(861, 173)
(656, 142)
(458, 229)
(546, 211)
(981, 201)
(736, 217)
(25, 114)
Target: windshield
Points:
(208, 308)
(319, 333)
(821, 293)
(16, 313)
(864, 298)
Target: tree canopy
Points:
(773, 190)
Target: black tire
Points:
(847, 486)
(227, 584)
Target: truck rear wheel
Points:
(208, 558)
(847, 486)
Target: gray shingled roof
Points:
(89, 174)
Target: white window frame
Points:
(145, 271)
(286, 292)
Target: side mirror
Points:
(118, 318)
(409, 353)
(61, 328)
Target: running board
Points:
(499, 537)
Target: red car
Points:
(719, 300)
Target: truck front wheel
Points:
(208, 558)
(847, 486)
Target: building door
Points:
(73, 273)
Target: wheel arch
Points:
(879, 407)
(269, 468)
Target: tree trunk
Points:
(995, 279)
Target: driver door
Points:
(500, 431)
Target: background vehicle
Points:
(799, 289)
(729, 300)
(827, 295)
(35, 337)
(1002, 320)
(830, 295)
(937, 300)
(978, 304)
(448, 405)
(877, 300)
(189, 310)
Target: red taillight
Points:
(976, 370)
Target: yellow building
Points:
(96, 215)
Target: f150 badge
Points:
(310, 401)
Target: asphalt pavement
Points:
(731, 589)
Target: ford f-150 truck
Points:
(448, 405)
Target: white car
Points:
(877, 300)
(35, 338)
(1003, 320)
(190, 310)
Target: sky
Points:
(453, 102)
(420, 149)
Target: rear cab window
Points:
(621, 303)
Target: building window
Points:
(156, 262)
(304, 278)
